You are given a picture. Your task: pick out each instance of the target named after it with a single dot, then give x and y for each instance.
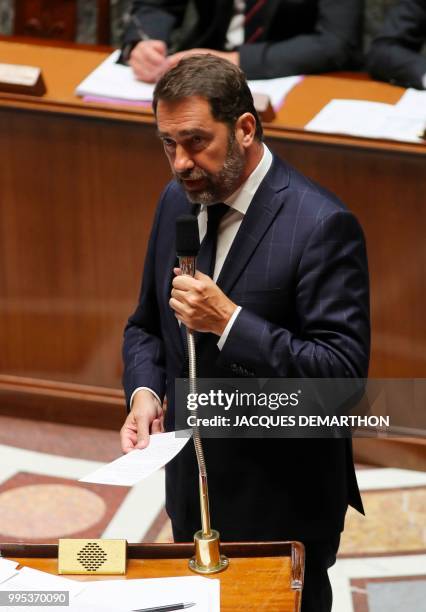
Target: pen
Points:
(143, 36)
(141, 33)
(167, 608)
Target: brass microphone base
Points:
(207, 559)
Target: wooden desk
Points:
(78, 187)
(261, 577)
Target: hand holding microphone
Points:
(196, 299)
(199, 303)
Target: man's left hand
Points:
(231, 56)
(199, 303)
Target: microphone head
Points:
(187, 236)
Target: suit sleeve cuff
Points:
(228, 328)
(141, 389)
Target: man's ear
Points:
(245, 129)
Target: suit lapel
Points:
(263, 209)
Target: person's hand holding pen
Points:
(148, 57)
(148, 60)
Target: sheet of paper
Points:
(112, 80)
(7, 569)
(139, 464)
(412, 103)
(135, 594)
(366, 120)
(30, 579)
(73, 606)
(276, 89)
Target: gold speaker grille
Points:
(92, 556)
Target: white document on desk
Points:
(366, 120)
(276, 89)
(141, 463)
(135, 594)
(112, 80)
(118, 595)
(7, 569)
(413, 104)
(28, 578)
(72, 606)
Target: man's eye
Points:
(196, 140)
(168, 142)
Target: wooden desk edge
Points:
(295, 550)
(129, 113)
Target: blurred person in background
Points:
(395, 54)
(266, 39)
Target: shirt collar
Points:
(240, 200)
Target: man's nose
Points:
(182, 160)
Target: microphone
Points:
(187, 243)
(207, 559)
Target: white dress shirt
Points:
(235, 33)
(229, 225)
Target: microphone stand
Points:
(207, 558)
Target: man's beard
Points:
(221, 185)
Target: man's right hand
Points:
(148, 60)
(145, 417)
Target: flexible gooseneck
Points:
(187, 266)
(207, 558)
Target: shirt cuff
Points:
(140, 389)
(228, 328)
(424, 81)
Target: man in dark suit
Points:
(395, 53)
(287, 297)
(265, 38)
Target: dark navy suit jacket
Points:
(395, 52)
(298, 268)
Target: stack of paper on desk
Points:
(368, 120)
(114, 595)
(276, 89)
(115, 81)
(151, 592)
(413, 104)
(112, 80)
(7, 569)
(27, 579)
